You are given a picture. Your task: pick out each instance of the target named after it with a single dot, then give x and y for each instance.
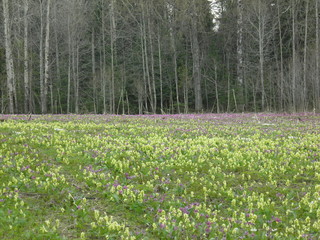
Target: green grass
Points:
(160, 177)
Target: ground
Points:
(205, 176)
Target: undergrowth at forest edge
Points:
(227, 176)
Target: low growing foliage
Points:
(227, 176)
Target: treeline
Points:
(159, 56)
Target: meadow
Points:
(206, 176)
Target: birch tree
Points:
(44, 69)
(196, 59)
(113, 37)
(240, 42)
(316, 91)
(9, 57)
(281, 85)
(261, 30)
(293, 13)
(27, 102)
(305, 48)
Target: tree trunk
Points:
(2, 97)
(154, 97)
(229, 83)
(196, 62)
(281, 59)
(16, 33)
(216, 87)
(46, 66)
(112, 40)
(172, 34)
(31, 96)
(261, 55)
(175, 65)
(69, 67)
(76, 77)
(160, 71)
(26, 60)
(41, 70)
(305, 98)
(147, 70)
(124, 82)
(103, 75)
(240, 43)
(186, 87)
(58, 77)
(128, 104)
(176, 80)
(102, 82)
(94, 84)
(9, 60)
(143, 89)
(51, 96)
(317, 78)
(293, 56)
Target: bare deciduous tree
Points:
(9, 58)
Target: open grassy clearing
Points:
(238, 176)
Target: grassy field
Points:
(227, 176)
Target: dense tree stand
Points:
(159, 56)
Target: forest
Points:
(159, 56)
